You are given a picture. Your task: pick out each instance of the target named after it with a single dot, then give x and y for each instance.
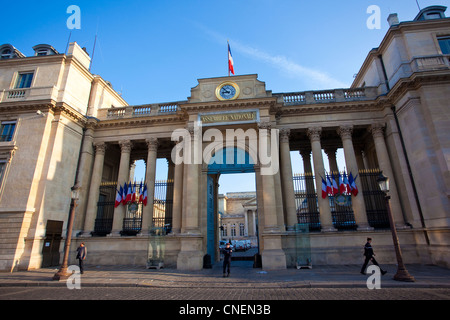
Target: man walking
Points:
(81, 256)
(226, 260)
(369, 254)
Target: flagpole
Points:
(228, 57)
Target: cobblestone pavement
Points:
(139, 293)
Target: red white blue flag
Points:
(118, 197)
(324, 189)
(230, 61)
(352, 183)
(144, 198)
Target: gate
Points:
(132, 222)
(374, 199)
(162, 205)
(308, 208)
(105, 209)
(306, 201)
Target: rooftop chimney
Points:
(393, 19)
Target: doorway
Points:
(52, 242)
(232, 223)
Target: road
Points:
(181, 294)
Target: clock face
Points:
(227, 91)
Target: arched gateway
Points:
(255, 131)
(70, 127)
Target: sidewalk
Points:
(242, 276)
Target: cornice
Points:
(235, 104)
(139, 121)
(415, 81)
(341, 107)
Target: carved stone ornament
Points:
(284, 135)
(152, 144)
(345, 132)
(125, 146)
(100, 147)
(314, 133)
(377, 130)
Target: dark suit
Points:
(368, 253)
(81, 255)
(226, 259)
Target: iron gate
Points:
(132, 222)
(374, 199)
(341, 211)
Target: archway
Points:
(225, 161)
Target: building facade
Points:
(238, 216)
(62, 125)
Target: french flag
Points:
(347, 184)
(118, 197)
(342, 187)
(230, 61)
(324, 189)
(329, 187)
(144, 198)
(352, 183)
(141, 195)
(335, 186)
(128, 199)
(124, 194)
(133, 192)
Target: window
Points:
(241, 229)
(6, 54)
(7, 130)
(24, 80)
(444, 43)
(224, 230)
(233, 230)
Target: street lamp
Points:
(62, 273)
(402, 274)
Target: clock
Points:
(227, 91)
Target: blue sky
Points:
(154, 51)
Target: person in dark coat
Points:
(369, 254)
(226, 259)
(81, 256)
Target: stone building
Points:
(238, 216)
(62, 125)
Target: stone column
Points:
(359, 207)
(150, 174)
(94, 189)
(319, 172)
(192, 195)
(191, 252)
(331, 153)
(287, 182)
(177, 198)
(124, 171)
(385, 166)
(273, 256)
(309, 180)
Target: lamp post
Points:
(62, 273)
(402, 274)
